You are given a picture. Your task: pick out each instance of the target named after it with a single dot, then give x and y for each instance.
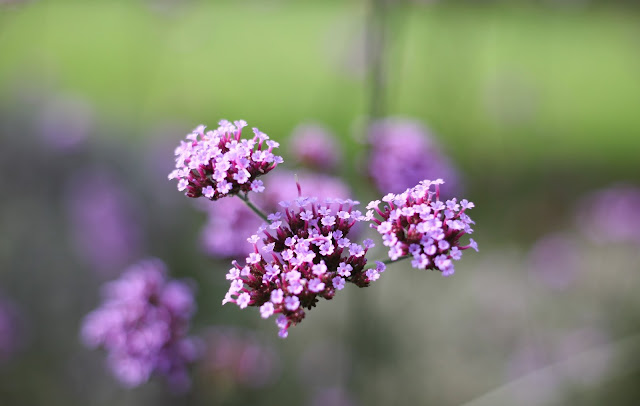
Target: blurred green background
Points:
(536, 102)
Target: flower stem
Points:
(391, 261)
(253, 207)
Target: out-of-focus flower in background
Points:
(143, 323)
(403, 152)
(314, 146)
(65, 121)
(611, 215)
(104, 220)
(555, 260)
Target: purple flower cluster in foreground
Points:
(303, 255)
(417, 223)
(313, 145)
(611, 215)
(230, 221)
(142, 323)
(220, 163)
(403, 153)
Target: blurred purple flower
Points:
(314, 146)
(611, 215)
(403, 152)
(555, 260)
(142, 323)
(240, 356)
(230, 222)
(65, 122)
(103, 220)
(11, 331)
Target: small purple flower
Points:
(316, 285)
(243, 299)
(338, 283)
(222, 160)
(266, 310)
(314, 146)
(430, 231)
(372, 274)
(291, 303)
(142, 324)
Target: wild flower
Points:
(416, 223)
(142, 323)
(220, 163)
(303, 255)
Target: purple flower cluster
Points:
(611, 215)
(230, 221)
(313, 145)
(142, 323)
(220, 163)
(417, 223)
(403, 153)
(304, 254)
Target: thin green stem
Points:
(253, 207)
(391, 261)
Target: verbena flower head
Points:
(403, 152)
(314, 146)
(220, 163)
(142, 323)
(230, 221)
(418, 224)
(303, 255)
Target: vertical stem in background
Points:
(374, 54)
(363, 335)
